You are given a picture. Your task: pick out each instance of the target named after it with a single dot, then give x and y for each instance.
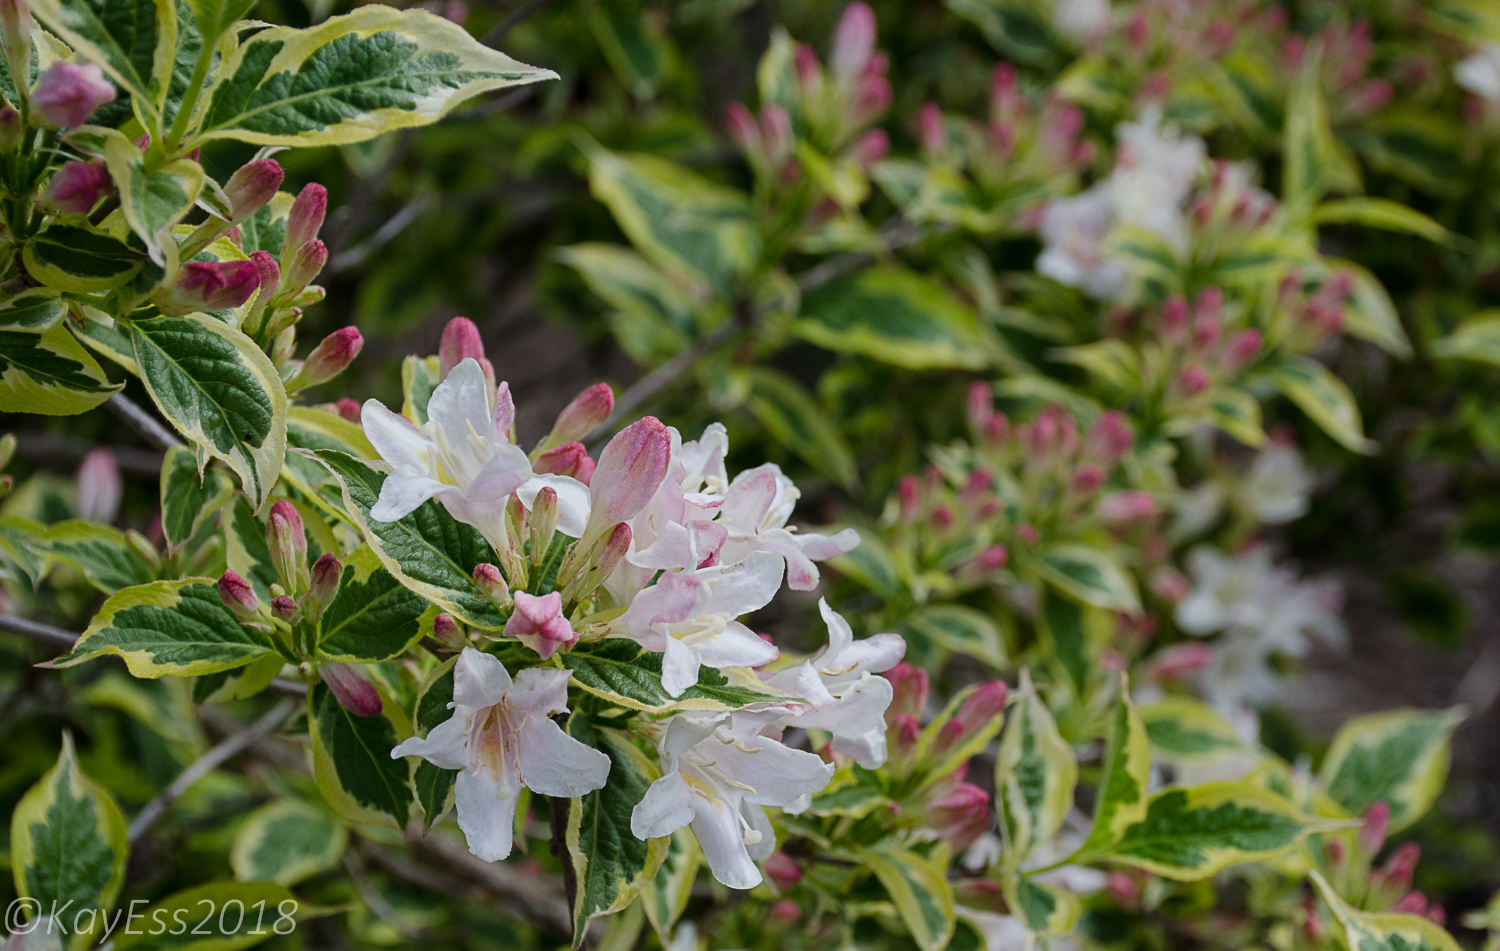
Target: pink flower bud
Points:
(287, 542)
(487, 579)
(782, 870)
(539, 623)
(68, 93)
(447, 632)
(251, 187)
(904, 733)
(1110, 438)
(909, 686)
(213, 285)
(348, 408)
(460, 342)
(1174, 319)
(942, 518)
(961, 816)
(99, 486)
(630, 470)
(996, 429)
(238, 596)
(11, 127)
(1027, 534)
(980, 405)
(872, 94)
(776, 132)
(853, 42)
(322, 584)
(992, 558)
(329, 358)
(909, 494)
(982, 706)
(1240, 350)
(1395, 875)
(304, 220)
(285, 607)
(306, 264)
(583, 415)
(543, 521)
(870, 148)
(743, 130)
(1193, 380)
(980, 482)
(1373, 832)
(1181, 661)
(1126, 506)
(353, 692)
(569, 459)
(77, 187)
(1087, 479)
(1412, 903)
(1169, 585)
(809, 73)
(1123, 889)
(934, 136)
(267, 272)
(615, 548)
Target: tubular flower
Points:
(502, 738)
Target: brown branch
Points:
(516, 18)
(142, 422)
(537, 898)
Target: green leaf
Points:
(1123, 776)
(133, 41)
(870, 563)
(919, 890)
(239, 683)
(219, 390)
(67, 842)
(245, 547)
(609, 863)
(796, 420)
(20, 552)
(897, 316)
(1399, 757)
(1046, 909)
(419, 377)
(152, 203)
(78, 259)
(1189, 834)
(103, 554)
(1312, 160)
(1070, 632)
(657, 315)
(1114, 363)
(207, 918)
(1019, 31)
(854, 792)
(189, 497)
(373, 617)
(623, 672)
(286, 841)
(352, 760)
(1380, 213)
(665, 897)
(1035, 775)
(1417, 144)
(1184, 730)
(37, 310)
(49, 373)
(1090, 575)
(1151, 259)
(962, 630)
(176, 628)
(1384, 932)
(352, 77)
(428, 551)
(214, 17)
(434, 785)
(636, 51)
(1236, 413)
(686, 224)
(1478, 338)
(1323, 397)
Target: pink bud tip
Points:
(1127, 506)
(1183, 660)
(782, 870)
(238, 596)
(740, 122)
(331, 357)
(306, 264)
(942, 518)
(68, 93)
(460, 342)
(1028, 534)
(252, 187)
(809, 73)
(961, 816)
(489, 580)
(323, 579)
(982, 706)
(870, 148)
(630, 470)
(285, 607)
(909, 686)
(305, 218)
(934, 137)
(1373, 832)
(348, 408)
(77, 187)
(99, 486)
(1111, 438)
(569, 459)
(584, 414)
(853, 41)
(776, 131)
(11, 128)
(447, 632)
(1193, 380)
(214, 285)
(980, 405)
(993, 558)
(909, 493)
(1087, 479)
(287, 542)
(353, 692)
(539, 623)
(268, 272)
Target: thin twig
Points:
(537, 898)
(499, 104)
(64, 640)
(374, 899)
(520, 15)
(394, 226)
(142, 422)
(55, 447)
(206, 764)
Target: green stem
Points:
(190, 101)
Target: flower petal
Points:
(507, 470)
(735, 646)
(540, 691)
(486, 817)
(461, 401)
(404, 491)
(666, 807)
(777, 774)
(395, 437)
(679, 666)
(443, 746)
(555, 764)
(717, 827)
(746, 587)
(572, 500)
(479, 680)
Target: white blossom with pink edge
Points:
(501, 736)
(846, 697)
(718, 774)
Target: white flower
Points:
(718, 776)
(1480, 73)
(1277, 487)
(502, 738)
(1080, 20)
(1073, 230)
(689, 616)
(463, 457)
(755, 512)
(847, 699)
